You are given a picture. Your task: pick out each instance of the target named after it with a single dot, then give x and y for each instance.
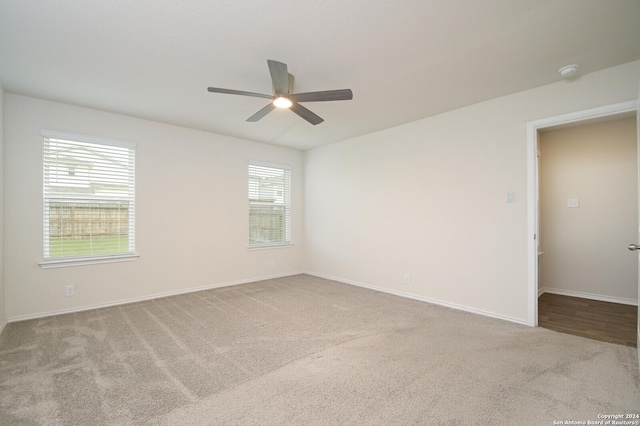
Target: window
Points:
(89, 198)
(269, 204)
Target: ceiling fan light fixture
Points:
(282, 102)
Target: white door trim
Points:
(532, 186)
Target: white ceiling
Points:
(403, 59)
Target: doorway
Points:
(533, 129)
(587, 214)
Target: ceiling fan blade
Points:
(306, 114)
(264, 111)
(238, 92)
(327, 95)
(279, 77)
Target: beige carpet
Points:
(303, 350)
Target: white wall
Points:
(3, 307)
(585, 248)
(429, 198)
(191, 212)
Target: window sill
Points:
(64, 263)
(270, 246)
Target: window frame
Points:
(89, 259)
(286, 204)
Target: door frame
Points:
(532, 186)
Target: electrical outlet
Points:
(407, 279)
(271, 264)
(70, 290)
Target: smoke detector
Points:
(568, 70)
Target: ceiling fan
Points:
(283, 98)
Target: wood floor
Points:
(604, 321)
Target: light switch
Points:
(573, 203)
(511, 196)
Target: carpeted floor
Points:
(303, 350)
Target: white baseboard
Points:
(421, 298)
(591, 296)
(150, 297)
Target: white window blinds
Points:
(89, 197)
(269, 204)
